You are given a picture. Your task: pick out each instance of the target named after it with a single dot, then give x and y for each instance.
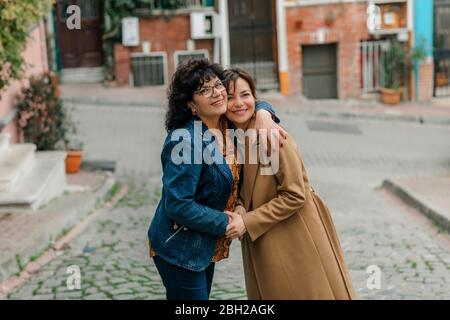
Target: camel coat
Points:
(291, 249)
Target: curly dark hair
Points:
(189, 76)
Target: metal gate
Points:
(319, 71)
(372, 57)
(442, 48)
(253, 40)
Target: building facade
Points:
(320, 49)
(440, 20)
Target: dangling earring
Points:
(191, 105)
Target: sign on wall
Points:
(130, 31)
(373, 17)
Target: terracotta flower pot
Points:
(390, 96)
(73, 161)
(441, 79)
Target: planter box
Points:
(390, 96)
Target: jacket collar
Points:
(207, 143)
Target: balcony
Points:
(394, 17)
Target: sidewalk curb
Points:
(344, 114)
(107, 102)
(339, 114)
(412, 201)
(91, 213)
(352, 114)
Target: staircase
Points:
(29, 179)
(82, 75)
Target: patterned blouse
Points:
(222, 249)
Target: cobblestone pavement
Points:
(346, 160)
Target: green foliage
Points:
(394, 65)
(419, 52)
(41, 115)
(16, 18)
(397, 61)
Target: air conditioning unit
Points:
(204, 25)
(180, 55)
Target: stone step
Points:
(13, 163)
(4, 142)
(43, 181)
(82, 75)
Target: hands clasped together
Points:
(236, 227)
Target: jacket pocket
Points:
(173, 234)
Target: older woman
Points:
(187, 233)
(289, 243)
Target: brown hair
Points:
(231, 75)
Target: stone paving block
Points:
(371, 229)
(127, 296)
(76, 294)
(96, 296)
(43, 297)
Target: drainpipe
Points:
(225, 34)
(282, 48)
(410, 26)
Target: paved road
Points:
(347, 161)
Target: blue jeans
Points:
(184, 284)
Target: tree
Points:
(16, 18)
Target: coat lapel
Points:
(250, 174)
(251, 167)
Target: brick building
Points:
(168, 37)
(324, 48)
(316, 48)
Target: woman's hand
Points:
(239, 209)
(231, 215)
(236, 228)
(265, 122)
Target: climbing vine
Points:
(16, 19)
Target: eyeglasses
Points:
(207, 91)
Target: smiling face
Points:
(241, 103)
(210, 100)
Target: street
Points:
(347, 161)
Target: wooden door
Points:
(80, 47)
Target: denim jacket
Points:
(189, 217)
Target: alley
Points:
(347, 162)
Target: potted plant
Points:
(74, 157)
(441, 79)
(329, 19)
(41, 115)
(394, 65)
